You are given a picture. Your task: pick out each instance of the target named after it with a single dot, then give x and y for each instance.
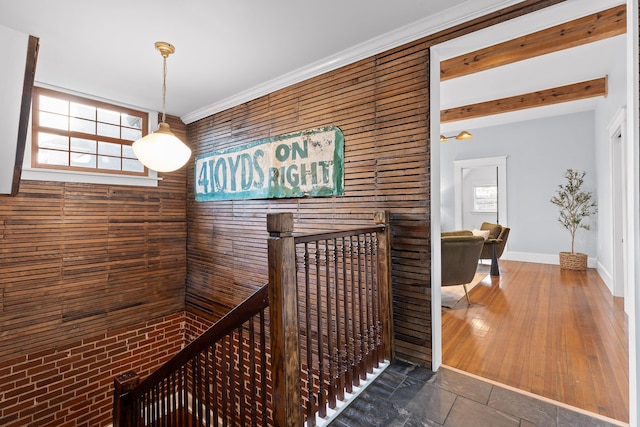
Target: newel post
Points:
(122, 385)
(283, 319)
(384, 278)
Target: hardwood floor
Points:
(555, 333)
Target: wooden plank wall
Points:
(381, 104)
(78, 260)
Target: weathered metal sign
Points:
(306, 163)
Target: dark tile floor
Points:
(412, 396)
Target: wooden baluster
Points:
(225, 381)
(167, 408)
(148, 408)
(233, 379)
(339, 323)
(347, 341)
(362, 313)
(136, 410)
(253, 373)
(179, 397)
(241, 379)
(372, 302)
(375, 304)
(159, 403)
(162, 404)
(354, 313)
(214, 380)
(193, 390)
(367, 304)
(195, 386)
(331, 399)
(156, 405)
(122, 405)
(322, 404)
(185, 392)
(285, 350)
(202, 364)
(311, 401)
(253, 386)
(172, 398)
(207, 381)
(384, 283)
(263, 368)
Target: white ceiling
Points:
(230, 52)
(582, 63)
(106, 48)
(579, 64)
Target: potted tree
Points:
(575, 206)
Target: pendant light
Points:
(161, 150)
(462, 135)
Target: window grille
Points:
(80, 134)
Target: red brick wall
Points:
(195, 326)
(73, 385)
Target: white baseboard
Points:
(606, 277)
(542, 258)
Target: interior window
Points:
(485, 198)
(79, 134)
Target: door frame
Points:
(633, 207)
(619, 225)
(458, 169)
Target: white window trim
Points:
(42, 174)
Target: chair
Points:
(494, 245)
(460, 255)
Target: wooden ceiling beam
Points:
(572, 92)
(591, 28)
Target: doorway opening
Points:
(438, 53)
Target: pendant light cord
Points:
(164, 86)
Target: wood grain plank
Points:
(567, 93)
(589, 29)
(555, 333)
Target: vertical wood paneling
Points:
(78, 260)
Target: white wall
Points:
(538, 153)
(606, 110)
(14, 55)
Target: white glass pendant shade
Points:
(161, 150)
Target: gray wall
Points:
(538, 153)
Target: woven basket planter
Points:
(569, 261)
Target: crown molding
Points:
(446, 19)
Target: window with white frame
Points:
(485, 198)
(79, 134)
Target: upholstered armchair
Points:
(460, 254)
(494, 245)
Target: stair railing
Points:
(327, 308)
(334, 322)
(220, 378)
